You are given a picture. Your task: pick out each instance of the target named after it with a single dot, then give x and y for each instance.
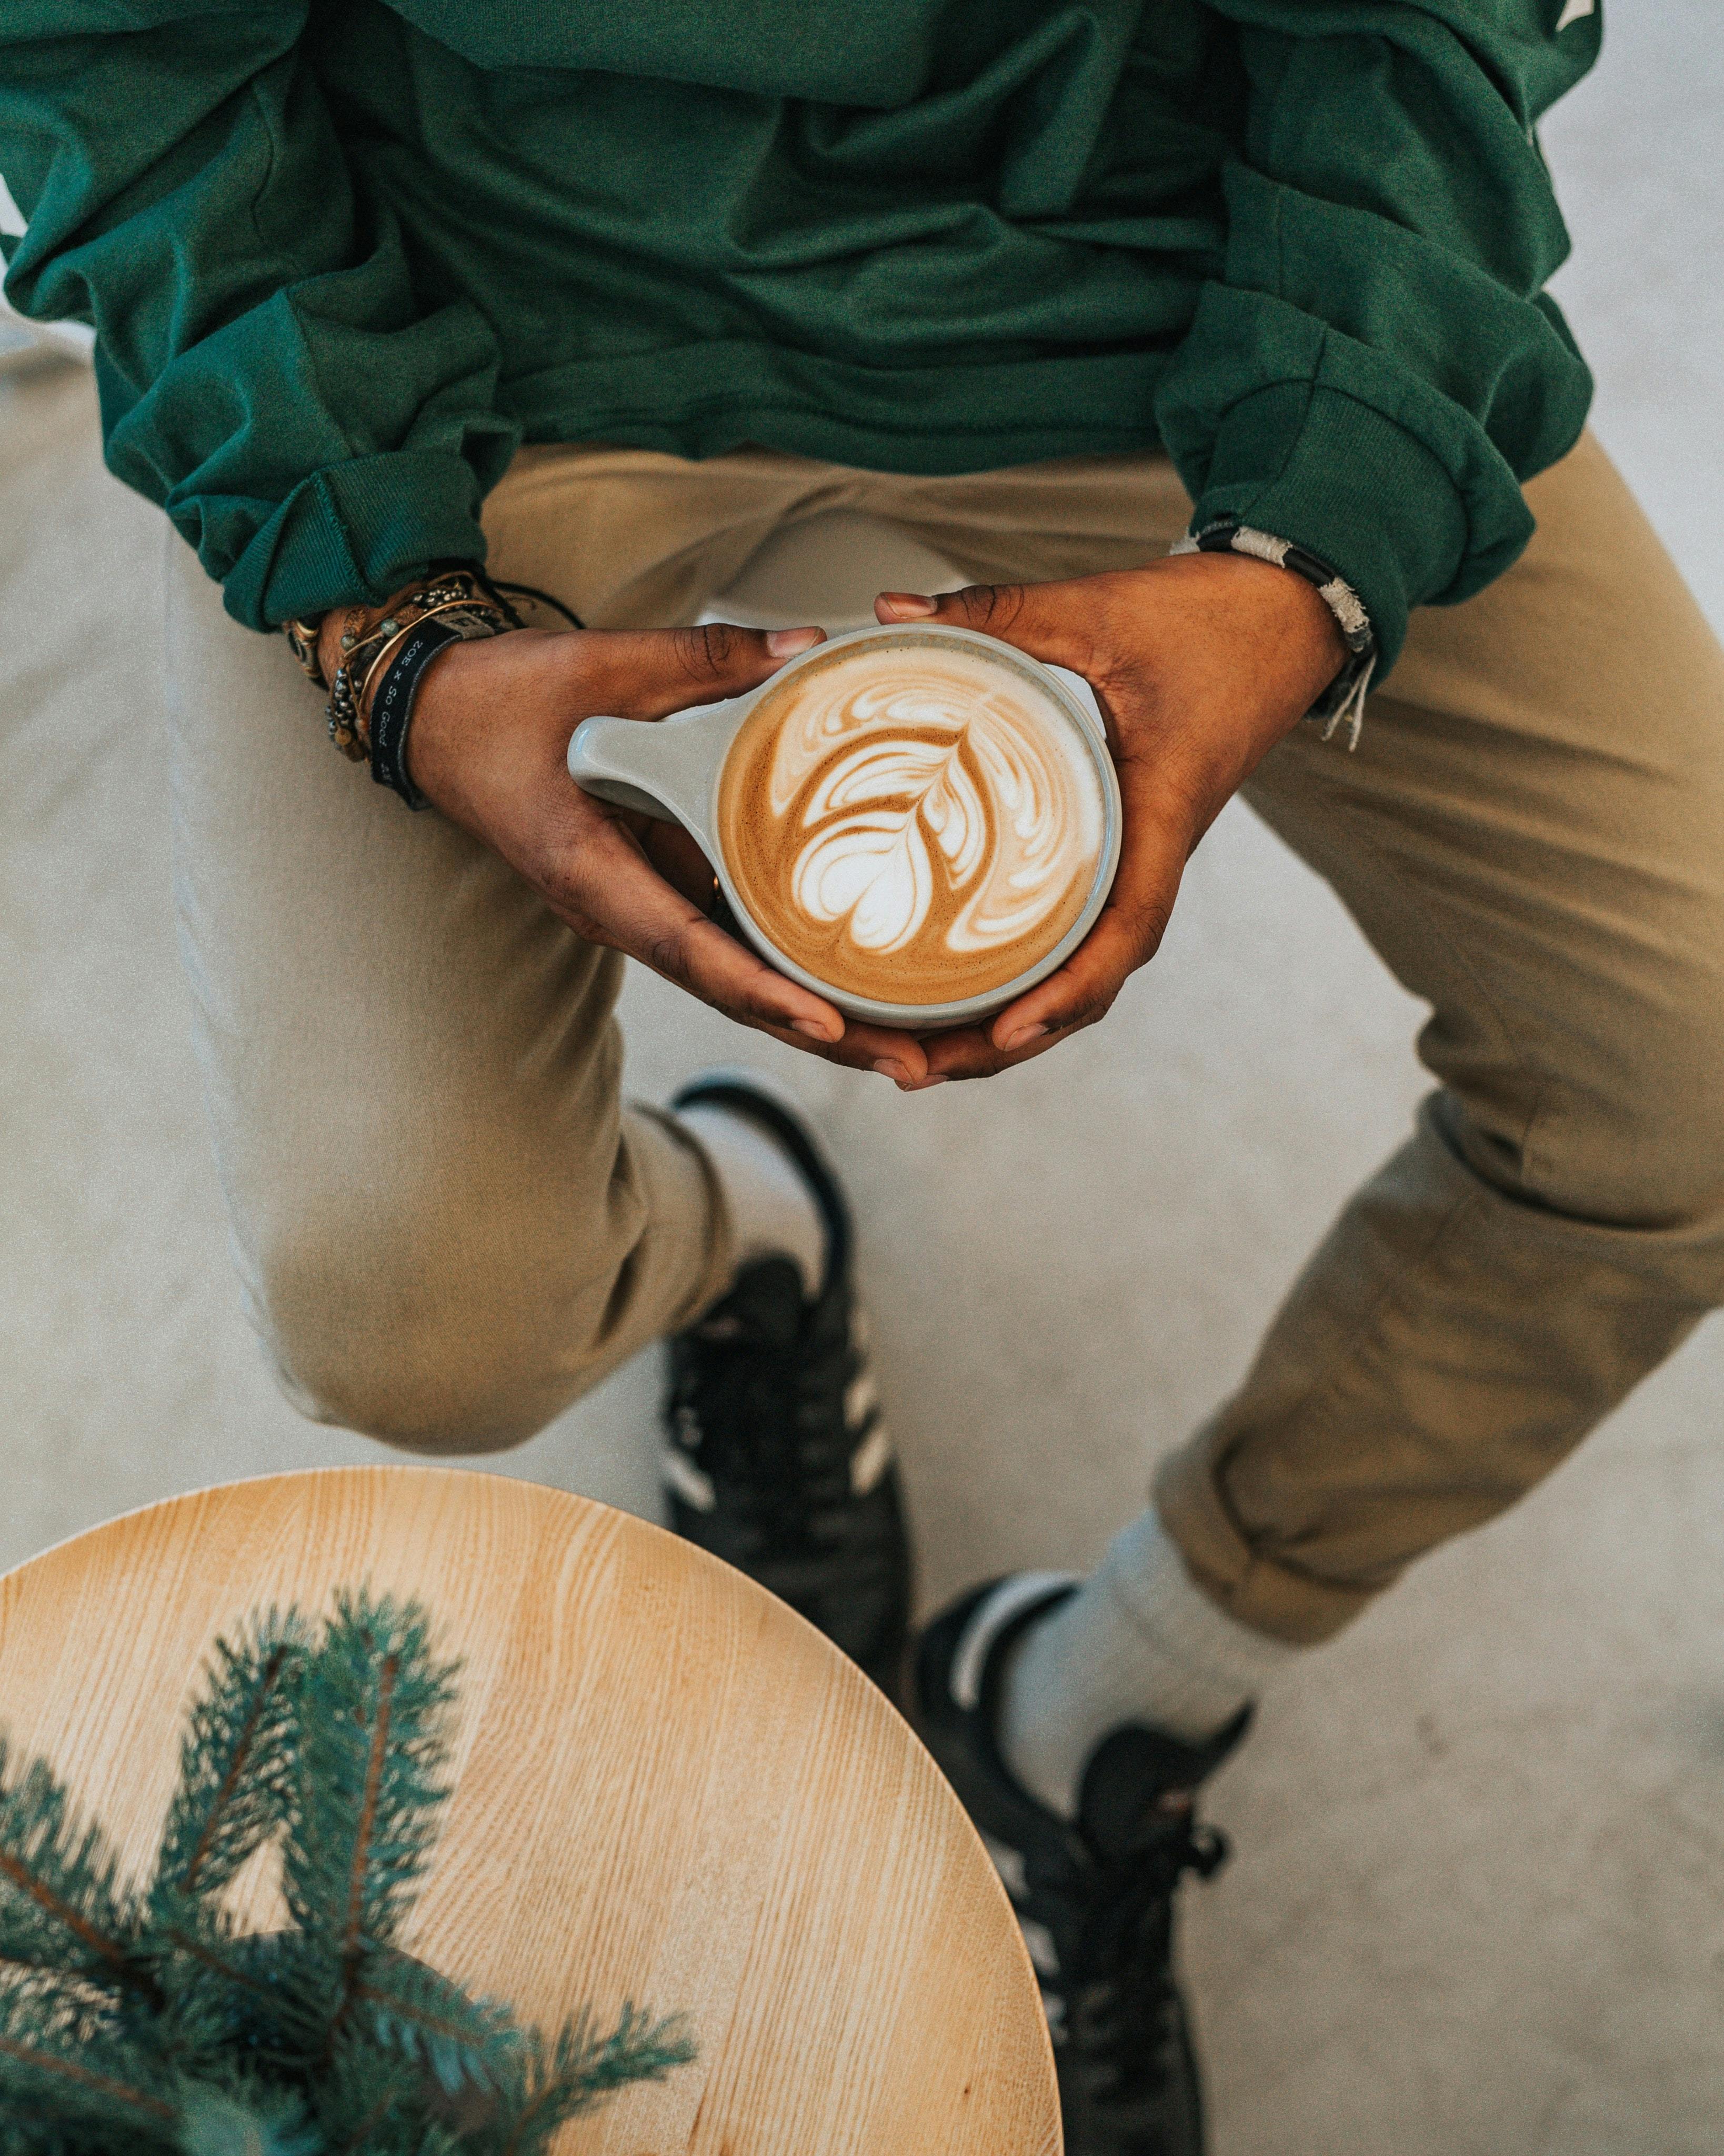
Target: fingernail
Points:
(1024, 1036)
(897, 1072)
(814, 1030)
(786, 643)
(913, 604)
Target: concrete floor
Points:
(1477, 1902)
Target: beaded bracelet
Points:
(476, 605)
(461, 600)
(1342, 703)
(458, 604)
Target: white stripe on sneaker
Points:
(1038, 1944)
(693, 1486)
(1008, 1862)
(992, 1615)
(870, 1461)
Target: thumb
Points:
(648, 673)
(1048, 621)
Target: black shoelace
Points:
(1122, 2009)
(771, 1417)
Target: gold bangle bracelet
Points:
(382, 658)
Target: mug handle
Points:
(661, 767)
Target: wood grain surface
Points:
(670, 1788)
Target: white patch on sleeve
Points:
(12, 217)
(1575, 11)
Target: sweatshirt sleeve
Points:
(316, 427)
(1379, 367)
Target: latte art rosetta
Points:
(912, 823)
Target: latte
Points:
(912, 822)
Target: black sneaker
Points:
(1095, 1900)
(778, 1460)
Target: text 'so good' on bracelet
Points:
(392, 708)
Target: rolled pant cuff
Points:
(692, 1254)
(1255, 1591)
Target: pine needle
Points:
(581, 2069)
(59, 1904)
(236, 1759)
(371, 1751)
(408, 2008)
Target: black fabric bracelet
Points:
(1342, 703)
(392, 708)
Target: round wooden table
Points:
(668, 1789)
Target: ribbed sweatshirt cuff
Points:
(1317, 467)
(353, 533)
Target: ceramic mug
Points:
(674, 769)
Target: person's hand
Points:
(1200, 663)
(489, 746)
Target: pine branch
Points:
(369, 2101)
(371, 1709)
(60, 1906)
(269, 1997)
(229, 1967)
(246, 2118)
(581, 2070)
(235, 1760)
(54, 2062)
(216, 2002)
(134, 2024)
(109, 2088)
(359, 1867)
(403, 2006)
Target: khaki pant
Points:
(447, 1224)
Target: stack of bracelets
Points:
(385, 652)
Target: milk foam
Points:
(913, 822)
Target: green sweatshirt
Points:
(341, 259)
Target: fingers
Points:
(676, 855)
(969, 1052)
(1079, 994)
(1043, 619)
(611, 894)
(897, 1056)
(1127, 933)
(619, 898)
(646, 673)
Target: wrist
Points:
(1298, 629)
(1341, 702)
(1263, 643)
(373, 660)
(442, 732)
(353, 623)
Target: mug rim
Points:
(907, 1017)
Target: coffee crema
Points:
(912, 822)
